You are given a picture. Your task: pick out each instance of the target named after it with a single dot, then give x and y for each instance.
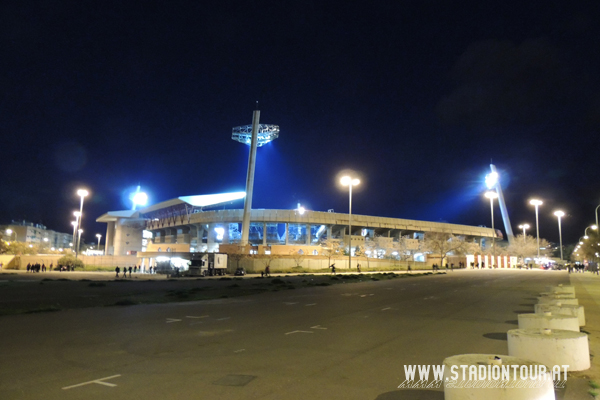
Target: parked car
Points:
(240, 271)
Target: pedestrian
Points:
(332, 266)
(51, 266)
(452, 266)
(117, 270)
(130, 269)
(135, 269)
(409, 268)
(262, 274)
(28, 267)
(267, 271)
(358, 267)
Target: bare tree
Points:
(525, 247)
(298, 257)
(331, 248)
(406, 247)
(444, 244)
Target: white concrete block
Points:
(552, 321)
(551, 347)
(563, 309)
(561, 289)
(554, 301)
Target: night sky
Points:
(416, 96)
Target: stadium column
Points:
(308, 234)
(264, 233)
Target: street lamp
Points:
(74, 223)
(524, 227)
(585, 235)
(9, 232)
(559, 214)
(348, 181)
(81, 193)
(78, 241)
(492, 195)
(98, 236)
(537, 203)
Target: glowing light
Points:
(346, 180)
(524, 226)
(220, 232)
(140, 199)
(560, 214)
(265, 134)
(491, 195)
(301, 210)
(212, 199)
(82, 193)
(536, 202)
(491, 179)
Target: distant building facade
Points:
(37, 234)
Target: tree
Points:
(331, 248)
(69, 261)
(590, 247)
(526, 247)
(444, 244)
(406, 247)
(298, 257)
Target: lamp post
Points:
(78, 241)
(585, 235)
(492, 195)
(348, 181)
(524, 227)
(537, 203)
(597, 214)
(75, 223)
(559, 214)
(81, 193)
(9, 232)
(98, 236)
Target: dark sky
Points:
(416, 96)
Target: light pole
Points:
(597, 214)
(81, 193)
(585, 235)
(98, 236)
(559, 214)
(348, 181)
(537, 203)
(75, 223)
(492, 195)
(78, 241)
(524, 227)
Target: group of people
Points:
(135, 269)
(37, 268)
(436, 267)
(266, 272)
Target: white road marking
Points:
(311, 304)
(387, 308)
(193, 316)
(169, 320)
(98, 381)
(223, 319)
(289, 333)
(239, 351)
(317, 327)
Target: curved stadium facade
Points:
(184, 225)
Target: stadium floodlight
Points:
(140, 198)
(491, 179)
(537, 203)
(265, 134)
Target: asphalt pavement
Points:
(346, 341)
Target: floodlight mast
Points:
(493, 182)
(259, 136)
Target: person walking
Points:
(130, 269)
(117, 270)
(267, 271)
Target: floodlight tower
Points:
(255, 135)
(493, 183)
